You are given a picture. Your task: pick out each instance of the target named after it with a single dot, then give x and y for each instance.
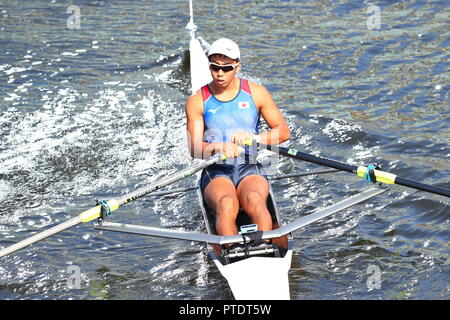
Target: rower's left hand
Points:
(240, 137)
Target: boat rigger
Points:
(247, 268)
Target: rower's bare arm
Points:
(279, 130)
(195, 126)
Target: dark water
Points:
(97, 112)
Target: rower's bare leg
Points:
(252, 193)
(220, 195)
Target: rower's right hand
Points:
(229, 149)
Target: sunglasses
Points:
(225, 67)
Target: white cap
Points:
(226, 47)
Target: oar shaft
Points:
(40, 236)
(168, 180)
(292, 153)
(381, 176)
(114, 204)
(421, 186)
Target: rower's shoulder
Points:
(257, 89)
(195, 102)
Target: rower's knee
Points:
(255, 200)
(256, 209)
(226, 206)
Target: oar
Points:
(381, 176)
(111, 205)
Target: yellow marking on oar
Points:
(381, 176)
(94, 213)
(248, 141)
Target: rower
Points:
(220, 117)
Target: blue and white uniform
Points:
(221, 120)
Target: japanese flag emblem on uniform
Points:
(244, 105)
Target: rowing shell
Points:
(262, 272)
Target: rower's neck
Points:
(227, 91)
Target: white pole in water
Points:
(191, 26)
(200, 74)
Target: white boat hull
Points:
(258, 278)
